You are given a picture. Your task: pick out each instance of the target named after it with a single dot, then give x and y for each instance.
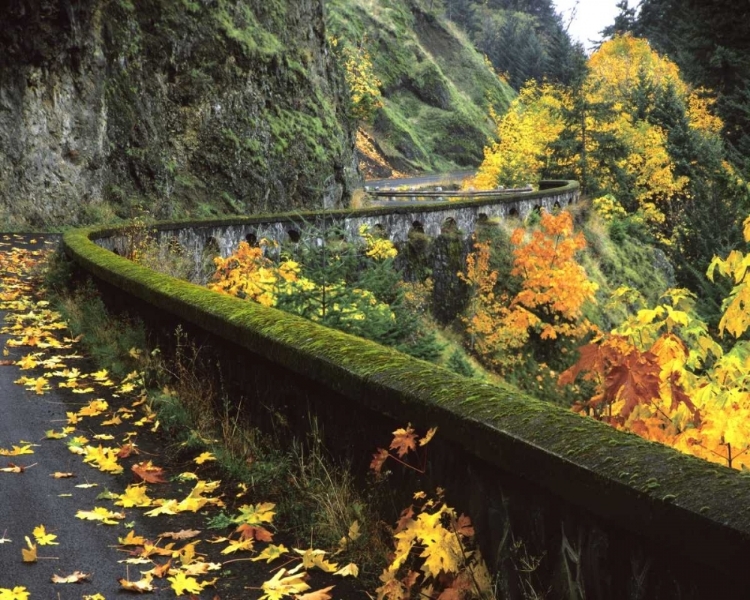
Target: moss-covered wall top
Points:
(180, 107)
(395, 221)
(692, 506)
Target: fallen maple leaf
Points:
(239, 546)
(139, 587)
(185, 534)
(181, 583)
(126, 450)
(17, 450)
(43, 538)
(279, 586)
(30, 554)
(271, 553)
(204, 457)
(254, 532)
(350, 570)
(132, 539)
(17, 593)
(76, 577)
(101, 514)
(321, 594)
(13, 468)
(148, 472)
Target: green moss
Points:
(549, 445)
(437, 88)
(240, 24)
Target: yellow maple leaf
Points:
(93, 408)
(132, 539)
(204, 457)
(43, 538)
(135, 495)
(311, 559)
(239, 546)
(428, 436)
(141, 586)
(101, 514)
(17, 593)
(350, 570)
(279, 586)
(321, 594)
(182, 583)
(271, 553)
(255, 514)
(17, 450)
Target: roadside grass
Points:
(316, 498)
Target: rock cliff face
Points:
(178, 107)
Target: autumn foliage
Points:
(434, 554)
(662, 375)
(616, 132)
(553, 291)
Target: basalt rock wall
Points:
(176, 107)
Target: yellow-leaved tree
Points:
(632, 128)
(525, 134)
(662, 375)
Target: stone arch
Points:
(449, 226)
(294, 235)
(482, 218)
(251, 238)
(417, 227)
(335, 234)
(570, 201)
(379, 231)
(513, 213)
(556, 206)
(212, 246)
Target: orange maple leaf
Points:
(404, 441)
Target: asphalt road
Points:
(34, 497)
(420, 180)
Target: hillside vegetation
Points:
(437, 90)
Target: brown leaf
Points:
(316, 595)
(635, 380)
(5, 363)
(185, 534)
(126, 450)
(404, 441)
(139, 587)
(59, 475)
(463, 526)
(148, 472)
(254, 532)
(378, 459)
(405, 520)
(161, 570)
(11, 468)
(76, 577)
(590, 360)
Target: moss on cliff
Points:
(437, 89)
(171, 106)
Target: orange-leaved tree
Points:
(549, 304)
(662, 375)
